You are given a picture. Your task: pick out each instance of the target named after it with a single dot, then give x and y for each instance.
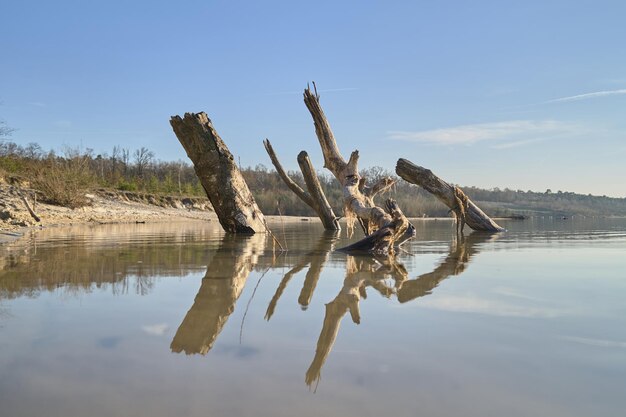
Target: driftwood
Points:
(314, 197)
(391, 226)
(218, 173)
(30, 209)
(463, 208)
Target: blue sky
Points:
(524, 94)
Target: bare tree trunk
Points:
(391, 226)
(315, 197)
(465, 210)
(215, 166)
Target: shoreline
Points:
(106, 207)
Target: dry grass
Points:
(64, 181)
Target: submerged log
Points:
(314, 197)
(215, 166)
(453, 197)
(393, 228)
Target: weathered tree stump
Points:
(314, 197)
(392, 226)
(218, 173)
(465, 210)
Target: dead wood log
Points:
(392, 226)
(30, 209)
(453, 197)
(218, 173)
(314, 197)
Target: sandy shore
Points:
(105, 207)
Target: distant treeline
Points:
(64, 178)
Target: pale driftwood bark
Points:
(31, 211)
(322, 206)
(315, 197)
(218, 173)
(464, 208)
(222, 285)
(391, 226)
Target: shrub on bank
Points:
(64, 182)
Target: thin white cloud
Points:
(520, 131)
(517, 144)
(478, 305)
(595, 342)
(515, 293)
(155, 329)
(586, 96)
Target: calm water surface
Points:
(180, 320)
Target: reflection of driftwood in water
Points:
(461, 252)
(316, 258)
(364, 271)
(221, 287)
(361, 272)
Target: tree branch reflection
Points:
(316, 258)
(364, 272)
(459, 256)
(361, 272)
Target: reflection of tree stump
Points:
(453, 197)
(215, 166)
(221, 287)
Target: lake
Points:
(180, 320)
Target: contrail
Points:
(588, 95)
